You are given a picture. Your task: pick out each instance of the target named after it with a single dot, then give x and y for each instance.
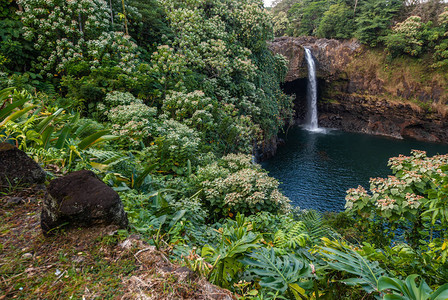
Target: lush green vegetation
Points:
(402, 27)
(166, 100)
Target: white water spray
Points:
(311, 95)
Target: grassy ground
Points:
(94, 263)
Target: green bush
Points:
(235, 185)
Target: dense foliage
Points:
(402, 27)
(166, 100)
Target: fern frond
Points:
(280, 239)
(107, 157)
(295, 237)
(316, 227)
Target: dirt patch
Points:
(101, 262)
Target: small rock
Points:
(17, 169)
(27, 256)
(81, 199)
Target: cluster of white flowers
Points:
(69, 31)
(237, 185)
(354, 195)
(194, 109)
(205, 42)
(132, 120)
(176, 142)
(405, 192)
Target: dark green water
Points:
(315, 169)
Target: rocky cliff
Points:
(361, 90)
(332, 56)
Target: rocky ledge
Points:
(381, 117)
(332, 56)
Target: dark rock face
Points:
(16, 168)
(357, 114)
(81, 199)
(267, 149)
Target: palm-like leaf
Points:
(95, 138)
(16, 115)
(19, 100)
(276, 272)
(46, 121)
(367, 273)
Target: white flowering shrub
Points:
(205, 41)
(194, 109)
(168, 68)
(218, 49)
(116, 98)
(408, 198)
(176, 147)
(441, 50)
(236, 185)
(67, 32)
(132, 120)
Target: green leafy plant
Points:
(278, 273)
(409, 290)
(236, 242)
(316, 226)
(294, 237)
(342, 258)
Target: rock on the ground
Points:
(81, 199)
(17, 169)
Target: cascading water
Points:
(311, 95)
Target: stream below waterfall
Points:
(315, 169)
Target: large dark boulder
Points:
(17, 169)
(81, 199)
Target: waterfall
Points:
(311, 95)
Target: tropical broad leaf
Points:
(138, 182)
(276, 272)
(46, 136)
(367, 272)
(409, 290)
(236, 241)
(4, 94)
(63, 135)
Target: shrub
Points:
(409, 199)
(176, 147)
(236, 185)
(130, 118)
(406, 37)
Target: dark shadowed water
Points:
(315, 169)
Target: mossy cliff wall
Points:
(361, 90)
